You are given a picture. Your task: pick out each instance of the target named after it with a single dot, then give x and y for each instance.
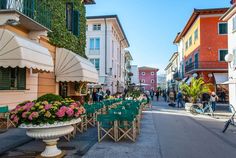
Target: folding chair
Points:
(5, 117)
(72, 134)
(82, 126)
(127, 127)
(106, 127)
(90, 115)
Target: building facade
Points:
(172, 73)
(230, 18)
(106, 43)
(127, 67)
(203, 43)
(30, 65)
(148, 77)
(161, 81)
(135, 77)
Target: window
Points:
(86, 27)
(234, 55)
(143, 80)
(97, 27)
(190, 60)
(190, 41)
(223, 28)
(152, 81)
(152, 73)
(12, 78)
(143, 73)
(94, 44)
(222, 54)
(96, 63)
(234, 23)
(196, 35)
(69, 16)
(186, 45)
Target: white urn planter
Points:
(50, 134)
(187, 106)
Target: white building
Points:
(106, 42)
(171, 70)
(128, 73)
(230, 17)
(161, 81)
(135, 77)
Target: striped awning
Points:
(72, 67)
(17, 51)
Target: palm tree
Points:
(195, 90)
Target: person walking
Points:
(213, 100)
(152, 94)
(164, 95)
(180, 100)
(157, 94)
(171, 98)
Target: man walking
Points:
(180, 100)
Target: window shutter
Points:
(28, 8)
(5, 81)
(76, 26)
(21, 78)
(3, 4)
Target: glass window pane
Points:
(91, 46)
(223, 28)
(97, 44)
(223, 54)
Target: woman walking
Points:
(213, 100)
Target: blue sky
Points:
(151, 25)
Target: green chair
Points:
(5, 121)
(106, 127)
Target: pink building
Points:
(148, 77)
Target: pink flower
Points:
(33, 115)
(63, 108)
(60, 113)
(24, 114)
(47, 106)
(16, 119)
(70, 112)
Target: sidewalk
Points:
(18, 144)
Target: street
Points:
(172, 133)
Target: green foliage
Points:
(134, 93)
(195, 89)
(60, 36)
(50, 98)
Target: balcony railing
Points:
(177, 76)
(34, 9)
(206, 65)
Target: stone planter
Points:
(50, 134)
(187, 106)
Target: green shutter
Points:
(21, 78)
(5, 81)
(76, 23)
(28, 8)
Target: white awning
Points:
(72, 67)
(16, 51)
(221, 77)
(230, 81)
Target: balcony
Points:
(206, 65)
(33, 14)
(177, 76)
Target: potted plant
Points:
(194, 91)
(48, 121)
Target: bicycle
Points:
(198, 109)
(231, 119)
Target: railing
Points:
(34, 9)
(209, 65)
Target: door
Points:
(63, 89)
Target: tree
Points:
(195, 90)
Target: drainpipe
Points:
(105, 20)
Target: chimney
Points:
(233, 2)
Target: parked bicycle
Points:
(231, 119)
(200, 109)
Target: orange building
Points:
(205, 45)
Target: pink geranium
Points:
(16, 119)
(33, 115)
(24, 114)
(63, 108)
(60, 113)
(47, 106)
(70, 112)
